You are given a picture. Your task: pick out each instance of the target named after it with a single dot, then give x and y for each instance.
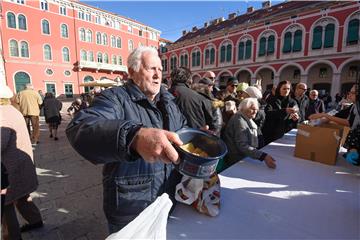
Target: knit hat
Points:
(232, 81)
(253, 92)
(242, 86)
(5, 91)
(206, 81)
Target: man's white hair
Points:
(247, 103)
(29, 86)
(314, 91)
(134, 60)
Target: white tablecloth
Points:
(299, 199)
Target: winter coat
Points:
(277, 120)
(16, 154)
(103, 132)
(196, 108)
(315, 106)
(29, 101)
(52, 108)
(303, 104)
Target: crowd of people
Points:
(131, 130)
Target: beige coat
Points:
(16, 154)
(29, 101)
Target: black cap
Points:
(232, 81)
(206, 81)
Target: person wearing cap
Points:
(211, 75)
(241, 135)
(205, 88)
(229, 93)
(30, 101)
(240, 89)
(17, 157)
(196, 108)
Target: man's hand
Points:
(270, 162)
(318, 115)
(294, 116)
(155, 144)
(290, 110)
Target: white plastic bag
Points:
(150, 224)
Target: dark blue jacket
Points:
(103, 132)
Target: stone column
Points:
(304, 78)
(335, 84)
(276, 79)
(253, 80)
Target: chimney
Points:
(250, 9)
(206, 24)
(184, 32)
(194, 29)
(221, 19)
(266, 4)
(232, 16)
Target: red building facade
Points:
(58, 44)
(315, 42)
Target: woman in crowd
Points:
(281, 113)
(17, 157)
(52, 108)
(241, 135)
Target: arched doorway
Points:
(244, 76)
(21, 79)
(266, 77)
(291, 74)
(88, 79)
(349, 73)
(320, 78)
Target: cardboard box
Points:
(319, 143)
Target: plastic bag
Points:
(202, 194)
(150, 224)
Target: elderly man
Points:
(211, 75)
(241, 135)
(316, 105)
(130, 129)
(301, 99)
(29, 102)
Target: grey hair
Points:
(29, 86)
(314, 91)
(247, 103)
(134, 60)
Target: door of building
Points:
(50, 87)
(69, 90)
(21, 79)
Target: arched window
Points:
(99, 57)
(228, 53)
(241, 49)
(83, 55)
(118, 42)
(65, 54)
(21, 79)
(317, 38)
(91, 56)
(297, 41)
(248, 49)
(106, 58)
(24, 47)
(173, 62)
(45, 26)
(209, 57)
(14, 48)
(120, 60)
(271, 45)
(131, 45)
(212, 56)
(113, 41)
(222, 53)
(287, 42)
(262, 46)
(353, 32)
(98, 38)
(184, 60)
(329, 35)
(64, 31)
(11, 21)
(47, 52)
(104, 38)
(89, 35)
(22, 22)
(113, 59)
(88, 79)
(195, 58)
(82, 34)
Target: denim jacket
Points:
(102, 134)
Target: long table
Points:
(299, 199)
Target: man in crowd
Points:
(229, 93)
(29, 102)
(131, 129)
(301, 99)
(316, 105)
(211, 75)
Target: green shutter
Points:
(228, 52)
(353, 31)
(271, 45)
(207, 57)
(287, 42)
(248, 49)
(329, 35)
(181, 60)
(186, 60)
(297, 41)
(262, 46)
(222, 54)
(198, 58)
(212, 56)
(193, 59)
(317, 38)
(241, 51)
(11, 21)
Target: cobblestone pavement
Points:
(70, 190)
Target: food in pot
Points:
(189, 147)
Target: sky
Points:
(172, 17)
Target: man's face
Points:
(300, 90)
(313, 95)
(251, 111)
(149, 76)
(232, 88)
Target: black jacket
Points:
(314, 106)
(277, 121)
(103, 132)
(303, 104)
(196, 108)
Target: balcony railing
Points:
(102, 66)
